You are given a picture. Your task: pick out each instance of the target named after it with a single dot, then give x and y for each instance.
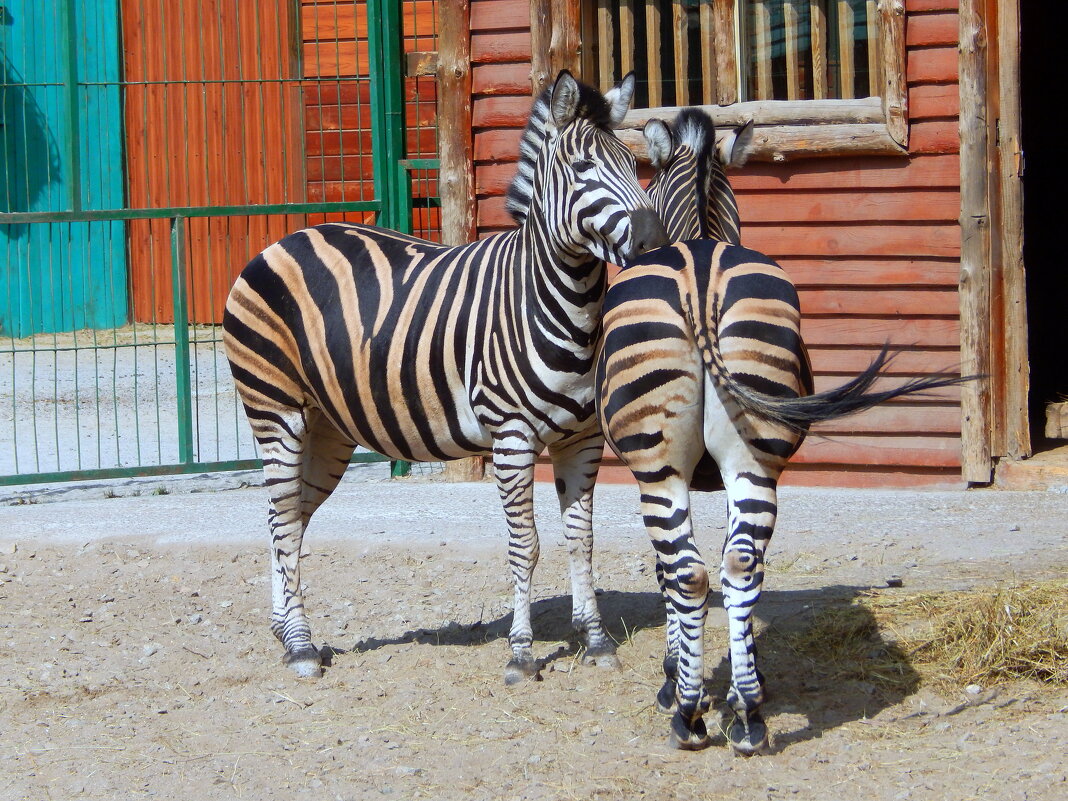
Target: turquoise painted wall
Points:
(61, 136)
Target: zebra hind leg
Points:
(575, 466)
(665, 698)
(513, 466)
(752, 509)
(301, 469)
(683, 579)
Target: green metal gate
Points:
(150, 149)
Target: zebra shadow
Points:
(824, 658)
(623, 613)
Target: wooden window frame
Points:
(785, 129)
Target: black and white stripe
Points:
(704, 382)
(342, 334)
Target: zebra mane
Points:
(592, 106)
(719, 210)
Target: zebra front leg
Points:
(513, 467)
(751, 512)
(683, 579)
(575, 467)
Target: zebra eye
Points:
(581, 165)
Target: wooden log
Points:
(708, 53)
(605, 52)
(652, 53)
(783, 143)
(540, 40)
(975, 267)
(818, 31)
(1013, 421)
(565, 40)
(626, 36)
(456, 175)
(726, 62)
(774, 112)
(1057, 421)
(791, 19)
(681, 49)
(761, 22)
(846, 68)
(893, 89)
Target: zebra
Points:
(704, 382)
(344, 334)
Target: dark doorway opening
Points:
(1046, 265)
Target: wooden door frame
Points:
(993, 309)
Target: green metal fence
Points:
(149, 149)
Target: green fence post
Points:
(180, 300)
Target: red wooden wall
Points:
(872, 243)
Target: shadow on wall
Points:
(29, 156)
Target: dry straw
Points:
(982, 636)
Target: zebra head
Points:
(584, 188)
(690, 189)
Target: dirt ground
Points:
(136, 658)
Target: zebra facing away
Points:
(703, 378)
(342, 334)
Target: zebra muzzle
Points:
(647, 233)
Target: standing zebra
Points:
(340, 335)
(702, 377)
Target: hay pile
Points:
(982, 637)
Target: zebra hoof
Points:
(748, 737)
(518, 670)
(306, 663)
(685, 738)
(603, 657)
(665, 699)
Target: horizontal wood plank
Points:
(875, 332)
(902, 418)
(935, 136)
(500, 47)
(497, 145)
(501, 112)
(926, 451)
(843, 360)
(933, 101)
(931, 65)
(925, 30)
(850, 206)
(498, 15)
(501, 79)
(919, 171)
(854, 240)
(877, 273)
(851, 475)
(881, 301)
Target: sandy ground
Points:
(136, 659)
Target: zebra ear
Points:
(659, 142)
(619, 97)
(736, 146)
(564, 99)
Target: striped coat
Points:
(704, 382)
(341, 335)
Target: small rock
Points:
(150, 649)
(1014, 528)
(895, 581)
(973, 689)
(196, 618)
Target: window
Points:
(834, 63)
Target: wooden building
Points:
(887, 183)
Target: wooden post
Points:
(1013, 418)
(565, 42)
(540, 37)
(456, 175)
(726, 63)
(893, 91)
(975, 265)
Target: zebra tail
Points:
(801, 412)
